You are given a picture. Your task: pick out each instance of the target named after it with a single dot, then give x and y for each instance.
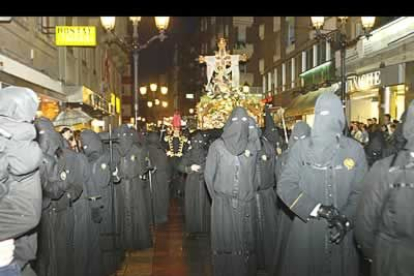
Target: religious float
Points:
(224, 91)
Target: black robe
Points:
(385, 219)
(325, 168)
(136, 216)
(285, 216)
(197, 202)
(266, 205)
(230, 178)
(160, 178)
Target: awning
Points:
(90, 102)
(305, 104)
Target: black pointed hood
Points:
(48, 138)
(125, 139)
(329, 117)
(236, 131)
(300, 131)
(254, 135)
(197, 140)
(92, 144)
(153, 140)
(408, 127)
(18, 103)
(271, 132)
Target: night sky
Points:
(158, 58)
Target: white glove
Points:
(195, 167)
(6, 252)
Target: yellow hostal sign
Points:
(75, 36)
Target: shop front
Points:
(94, 105)
(49, 91)
(375, 93)
(302, 108)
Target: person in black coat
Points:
(20, 187)
(385, 219)
(230, 177)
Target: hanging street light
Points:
(162, 22)
(149, 104)
(317, 22)
(191, 110)
(143, 90)
(153, 87)
(157, 102)
(164, 104)
(367, 22)
(164, 90)
(246, 88)
(108, 22)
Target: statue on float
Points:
(224, 91)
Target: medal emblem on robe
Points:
(349, 163)
(63, 176)
(103, 166)
(133, 158)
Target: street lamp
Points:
(136, 47)
(149, 104)
(153, 87)
(108, 22)
(191, 110)
(164, 90)
(162, 22)
(143, 90)
(342, 41)
(164, 104)
(157, 102)
(246, 87)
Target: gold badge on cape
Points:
(349, 163)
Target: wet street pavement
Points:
(174, 254)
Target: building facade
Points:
(89, 78)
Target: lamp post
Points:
(161, 22)
(342, 41)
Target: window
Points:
(264, 84)
(226, 30)
(276, 24)
(303, 61)
(283, 76)
(213, 43)
(261, 66)
(202, 24)
(275, 80)
(290, 24)
(269, 81)
(322, 52)
(213, 20)
(328, 50)
(46, 24)
(241, 33)
(309, 59)
(293, 72)
(262, 31)
(315, 55)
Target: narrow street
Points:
(173, 254)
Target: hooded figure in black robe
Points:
(321, 184)
(53, 189)
(376, 148)
(101, 225)
(271, 133)
(20, 187)
(197, 202)
(160, 178)
(385, 218)
(132, 168)
(265, 199)
(300, 131)
(230, 178)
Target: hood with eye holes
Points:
(48, 138)
(300, 131)
(236, 131)
(91, 143)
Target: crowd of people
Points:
(325, 203)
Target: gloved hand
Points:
(195, 168)
(96, 215)
(328, 212)
(6, 252)
(341, 225)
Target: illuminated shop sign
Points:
(364, 82)
(75, 36)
